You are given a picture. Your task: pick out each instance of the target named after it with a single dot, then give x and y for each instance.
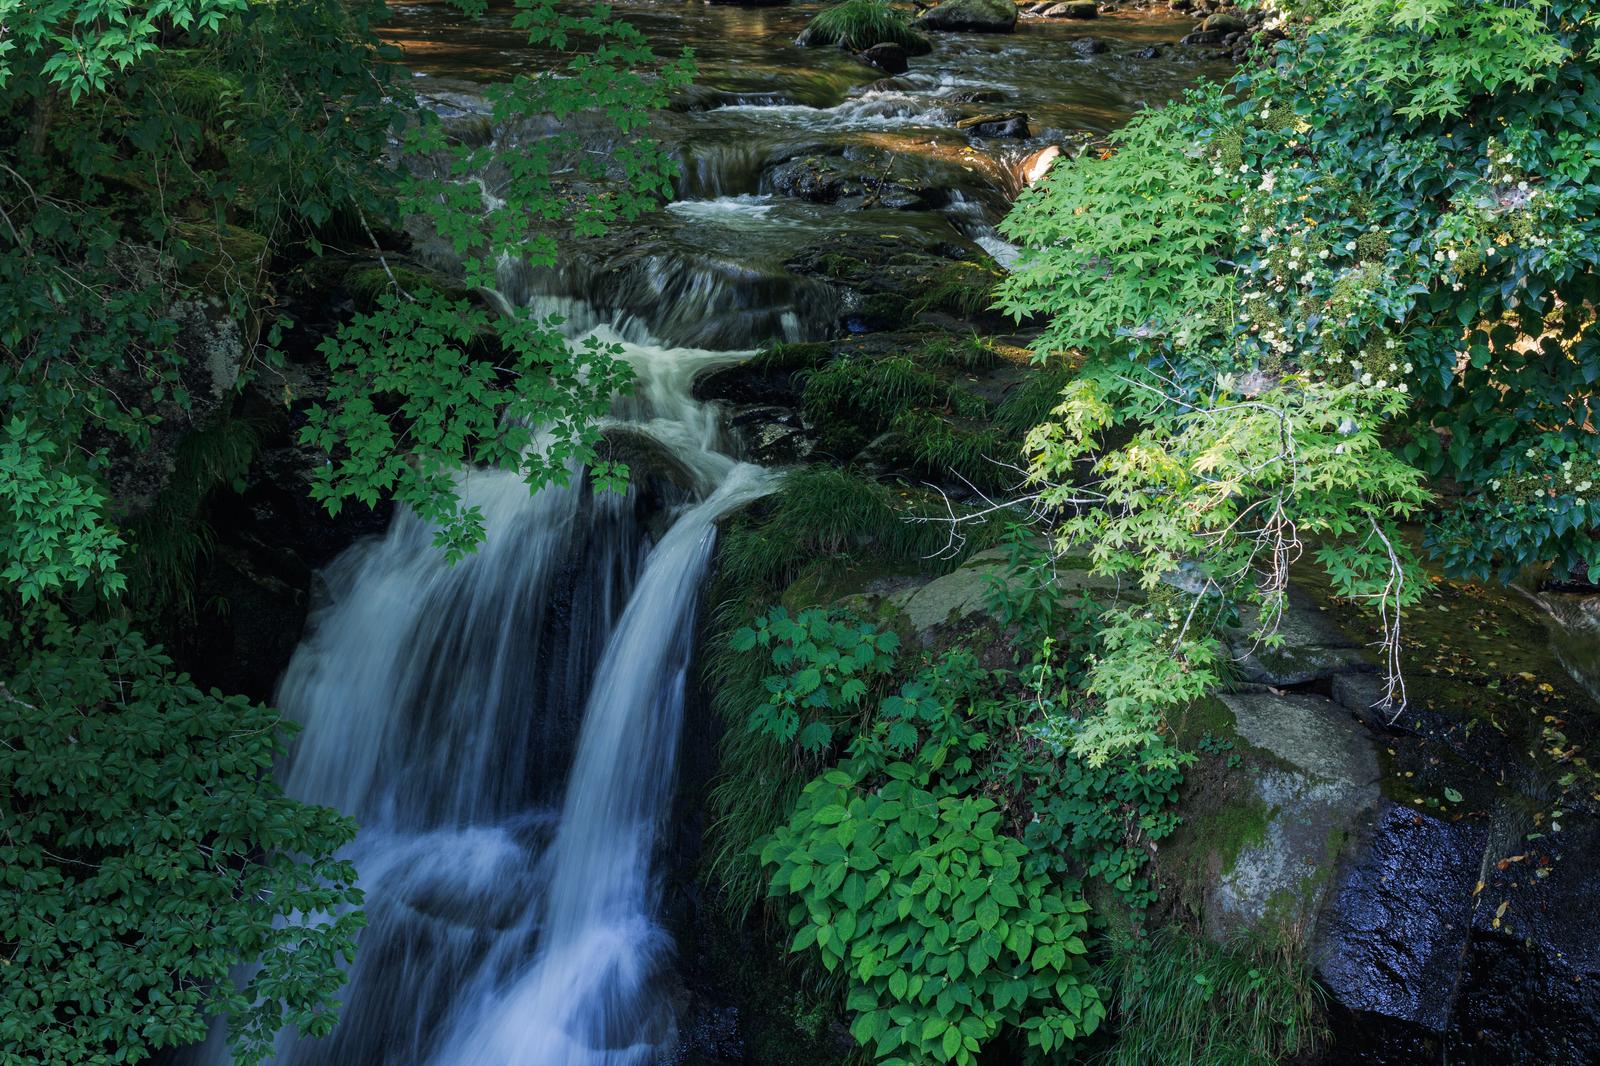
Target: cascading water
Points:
(512, 921)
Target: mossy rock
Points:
(1265, 819)
(221, 258)
(972, 16)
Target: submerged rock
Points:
(974, 16)
(887, 56)
(1003, 124)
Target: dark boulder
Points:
(888, 56)
(1005, 124)
(1089, 46)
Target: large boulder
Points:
(1261, 855)
(972, 16)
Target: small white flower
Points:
(1402, 387)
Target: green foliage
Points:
(157, 159)
(904, 878)
(451, 407)
(1031, 400)
(821, 513)
(146, 852)
(1126, 241)
(1183, 1001)
(981, 457)
(964, 289)
(119, 34)
(825, 667)
(1432, 57)
(968, 353)
(871, 393)
(860, 24)
(820, 517)
(1220, 493)
(1404, 200)
(51, 538)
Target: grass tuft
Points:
(171, 539)
(1183, 1001)
(964, 289)
(860, 24)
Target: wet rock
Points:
(887, 56)
(650, 463)
(1073, 9)
(1202, 37)
(1089, 46)
(774, 436)
(1313, 648)
(1005, 124)
(860, 177)
(976, 96)
(1530, 991)
(973, 16)
(1148, 52)
(1391, 942)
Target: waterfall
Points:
(510, 884)
(591, 995)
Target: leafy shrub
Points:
(147, 853)
(1404, 200)
(825, 666)
(904, 878)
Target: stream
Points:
(505, 730)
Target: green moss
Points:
(367, 283)
(887, 310)
(216, 258)
(963, 288)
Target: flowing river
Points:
(505, 730)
